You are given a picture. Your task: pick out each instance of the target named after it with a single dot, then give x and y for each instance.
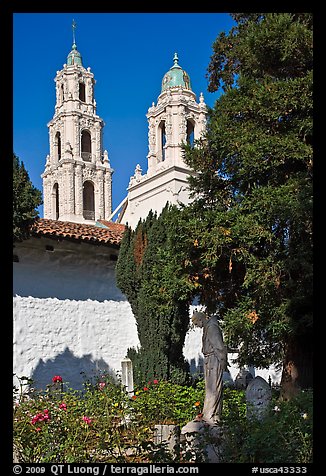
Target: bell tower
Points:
(177, 118)
(77, 180)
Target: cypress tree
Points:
(149, 274)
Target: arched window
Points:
(82, 92)
(86, 146)
(162, 141)
(55, 201)
(190, 132)
(88, 201)
(57, 146)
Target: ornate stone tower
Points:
(175, 119)
(77, 178)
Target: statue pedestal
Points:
(168, 435)
(202, 441)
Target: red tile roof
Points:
(111, 235)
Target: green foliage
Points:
(150, 274)
(103, 424)
(250, 224)
(26, 198)
(164, 402)
(277, 45)
(285, 435)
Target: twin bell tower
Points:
(77, 180)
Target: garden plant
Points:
(103, 423)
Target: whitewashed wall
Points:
(63, 337)
(70, 317)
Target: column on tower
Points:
(47, 206)
(107, 186)
(99, 194)
(79, 192)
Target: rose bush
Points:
(104, 424)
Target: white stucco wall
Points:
(152, 192)
(70, 317)
(66, 337)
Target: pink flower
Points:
(40, 417)
(57, 378)
(101, 385)
(35, 419)
(63, 406)
(155, 381)
(38, 429)
(87, 420)
(145, 388)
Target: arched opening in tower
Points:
(162, 141)
(190, 132)
(88, 201)
(55, 201)
(86, 146)
(57, 145)
(82, 92)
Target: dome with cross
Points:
(176, 77)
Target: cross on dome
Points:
(74, 57)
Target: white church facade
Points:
(70, 318)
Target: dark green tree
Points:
(251, 221)
(151, 276)
(26, 199)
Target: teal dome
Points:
(74, 57)
(175, 77)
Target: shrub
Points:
(163, 402)
(103, 424)
(283, 436)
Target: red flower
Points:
(134, 397)
(56, 379)
(145, 388)
(63, 406)
(87, 420)
(36, 418)
(155, 381)
(40, 417)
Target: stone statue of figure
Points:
(215, 363)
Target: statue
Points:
(215, 362)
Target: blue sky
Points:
(129, 53)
